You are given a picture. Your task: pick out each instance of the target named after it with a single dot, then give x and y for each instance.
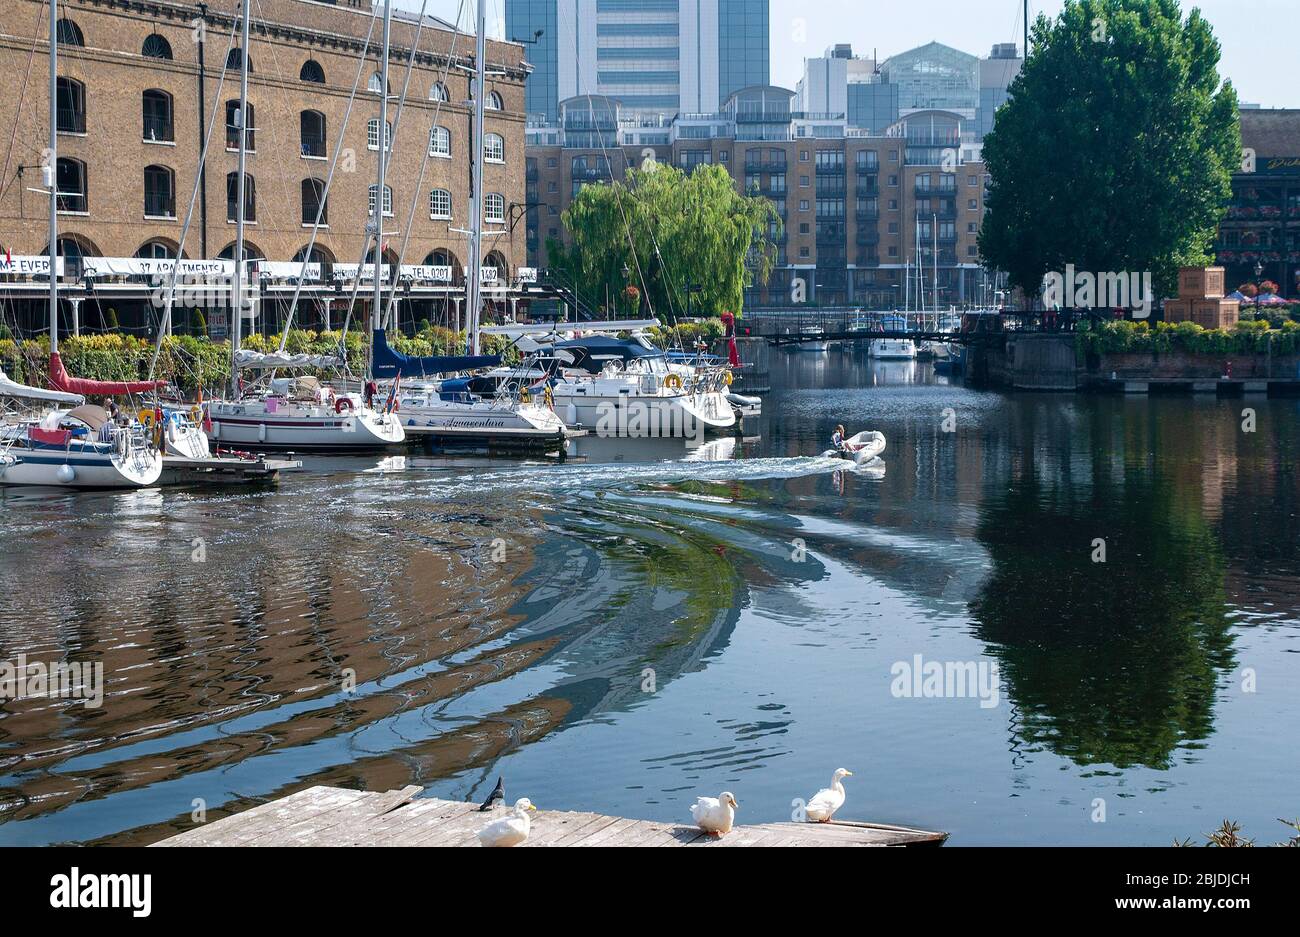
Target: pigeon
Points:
(497, 796)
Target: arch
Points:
(311, 71)
(440, 205)
(233, 123)
(156, 113)
(251, 251)
(445, 257)
(314, 200)
(156, 47)
(440, 142)
(157, 248)
(375, 83)
(311, 133)
(235, 60)
(438, 92)
(232, 197)
(493, 102)
(71, 185)
(70, 105)
(320, 254)
(68, 33)
(494, 148)
(159, 192)
(72, 247)
(497, 259)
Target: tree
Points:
(663, 231)
(1116, 148)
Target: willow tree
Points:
(671, 234)
(1116, 148)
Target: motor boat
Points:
(816, 342)
(861, 447)
(893, 348)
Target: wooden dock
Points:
(333, 816)
(223, 469)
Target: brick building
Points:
(137, 81)
(858, 210)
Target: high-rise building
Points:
(654, 57)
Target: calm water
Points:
(503, 618)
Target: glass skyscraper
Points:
(655, 57)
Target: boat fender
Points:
(66, 473)
(261, 432)
(343, 403)
(726, 378)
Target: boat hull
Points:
(662, 415)
(90, 468)
(892, 349)
(312, 428)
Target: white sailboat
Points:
(291, 414)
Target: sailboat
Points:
(304, 413)
(72, 444)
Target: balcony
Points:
(829, 234)
(757, 166)
(830, 169)
(760, 115)
(591, 174)
(530, 174)
(866, 259)
(867, 215)
(867, 169)
(867, 237)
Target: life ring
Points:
(196, 414)
(674, 381)
(147, 418)
(524, 396)
(726, 378)
(341, 404)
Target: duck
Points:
(715, 815)
(822, 805)
(497, 797)
(510, 830)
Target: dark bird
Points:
(497, 796)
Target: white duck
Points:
(715, 815)
(510, 830)
(822, 806)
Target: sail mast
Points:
(384, 143)
(51, 179)
(237, 281)
(472, 285)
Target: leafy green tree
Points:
(664, 230)
(1116, 148)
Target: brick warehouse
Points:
(139, 79)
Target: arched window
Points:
(251, 252)
(372, 134)
(311, 127)
(494, 207)
(232, 197)
(440, 142)
(70, 185)
(233, 122)
(159, 192)
(494, 148)
(313, 200)
(235, 60)
(438, 92)
(74, 254)
(318, 255)
(68, 33)
(157, 111)
(388, 200)
(376, 83)
(440, 204)
(311, 71)
(155, 250)
(156, 47)
(492, 102)
(71, 105)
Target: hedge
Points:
(1246, 338)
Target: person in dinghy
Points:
(838, 442)
(861, 447)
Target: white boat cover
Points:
(546, 328)
(11, 388)
(247, 358)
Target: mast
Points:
(934, 279)
(51, 179)
(384, 143)
(472, 285)
(237, 282)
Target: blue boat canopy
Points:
(593, 351)
(388, 363)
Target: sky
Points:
(1259, 37)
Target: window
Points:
(551, 162)
(972, 251)
(803, 182)
(70, 185)
(803, 204)
(71, 105)
(388, 200)
(893, 227)
(803, 250)
(232, 197)
(552, 187)
(155, 250)
(233, 123)
(492, 102)
(311, 71)
(440, 142)
(494, 148)
(235, 60)
(372, 134)
(313, 202)
(157, 111)
(159, 192)
(972, 180)
(440, 204)
(803, 156)
(803, 227)
(376, 83)
(494, 207)
(970, 227)
(311, 132)
(893, 204)
(723, 156)
(68, 33)
(893, 180)
(972, 204)
(438, 92)
(156, 47)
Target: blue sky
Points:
(1259, 37)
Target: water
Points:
(508, 618)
